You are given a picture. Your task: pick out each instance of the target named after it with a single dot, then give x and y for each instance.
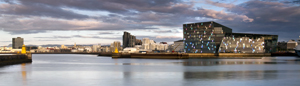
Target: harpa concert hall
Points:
(212, 37)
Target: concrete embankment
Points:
(15, 59)
(191, 55)
(151, 55)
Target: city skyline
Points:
(42, 22)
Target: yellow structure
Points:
(116, 50)
(23, 49)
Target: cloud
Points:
(220, 4)
(162, 31)
(101, 33)
(163, 37)
(35, 16)
(271, 17)
(25, 25)
(39, 10)
(78, 36)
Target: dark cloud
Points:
(21, 25)
(269, 18)
(255, 16)
(39, 10)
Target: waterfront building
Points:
(212, 37)
(128, 40)
(63, 47)
(282, 46)
(105, 49)
(96, 48)
(248, 43)
(178, 46)
(114, 45)
(148, 44)
(291, 44)
(138, 42)
(17, 43)
(75, 45)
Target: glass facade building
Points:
(203, 37)
(248, 43)
(212, 37)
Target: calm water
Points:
(91, 70)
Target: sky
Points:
(42, 22)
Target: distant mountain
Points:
(10, 45)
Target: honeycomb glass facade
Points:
(203, 37)
(248, 43)
(212, 37)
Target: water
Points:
(91, 70)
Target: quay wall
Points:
(191, 55)
(15, 59)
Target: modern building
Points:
(148, 44)
(17, 43)
(282, 46)
(291, 44)
(212, 37)
(96, 48)
(138, 42)
(114, 45)
(128, 40)
(178, 46)
(248, 43)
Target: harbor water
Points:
(93, 70)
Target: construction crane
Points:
(175, 48)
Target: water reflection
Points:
(237, 75)
(210, 63)
(206, 63)
(81, 70)
(24, 74)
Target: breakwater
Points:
(15, 59)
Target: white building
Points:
(291, 44)
(130, 50)
(151, 45)
(96, 48)
(178, 46)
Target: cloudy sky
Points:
(104, 21)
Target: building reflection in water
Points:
(24, 76)
(237, 75)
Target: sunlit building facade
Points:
(212, 37)
(248, 43)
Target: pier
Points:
(15, 59)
